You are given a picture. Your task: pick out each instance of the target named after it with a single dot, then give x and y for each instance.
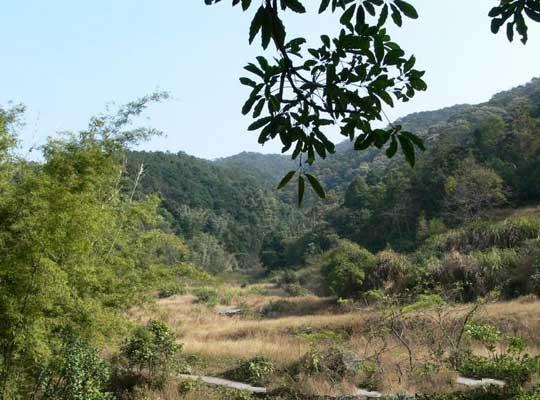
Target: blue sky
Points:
(67, 59)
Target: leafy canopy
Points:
(343, 81)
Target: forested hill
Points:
(340, 168)
(225, 212)
(265, 168)
(474, 151)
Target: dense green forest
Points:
(77, 251)
(479, 158)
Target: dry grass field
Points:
(406, 351)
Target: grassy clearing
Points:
(219, 343)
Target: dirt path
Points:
(226, 383)
(364, 394)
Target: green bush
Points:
(207, 295)
(345, 268)
(513, 366)
(295, 290)
(529, 396)
(170, 290)
(394, 272)
(151, 352)
(254, 371)
(287, 277)
(76, 373)
(321, 337)
(459, 277)
(334, 362)
(527, 277)
(509, 233)
(189, 385)
(512, 369)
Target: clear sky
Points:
(67, 59)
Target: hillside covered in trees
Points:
(479, 158)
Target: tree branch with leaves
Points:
(344, 81)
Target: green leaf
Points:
(286, 179)
(256, 23)
(263, 62)
(254, 70)
(248, 105)
(324, 6)
(418, 84)
(496, 24)
(379, 48)
(532, 14)
(408, 150)
(363, 142)
(277, 29)
(301, 190)
(407, 9)
(383, 17)
(418, 142)
(326, 40)
(360, 18)
(248, 82)
(267, 27)
(369, 8)
(510, 31)
(259, 123)
(245, 4)
(274, 104)
(495, 11)
(347, 15)
(258, 108)
(295, 5)
(409, 64)
(396, 16)
(385, 96)
(317, 187)
(392, 149)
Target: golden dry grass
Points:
(212, 336)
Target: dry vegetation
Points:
(405, 359)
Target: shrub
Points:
(509, 233)
(513, 370)
(151, 350)
(287, 277)
(206, 295)
(344, 269)
(274, 308)
(77, 373)
(321, 337)
(393, 272)
(294, 290)
(497, 266)
(486, 334)
(513, 366)
(234, 394)
(529, 271)
(189, 385)
(460, 277)
(254, 371)
(335, 362)
(529, 396)
(170, 290)
(424, 302)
